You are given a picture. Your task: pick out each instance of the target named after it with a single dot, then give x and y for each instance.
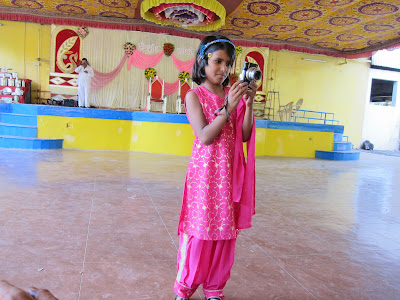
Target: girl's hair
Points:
(208, 45)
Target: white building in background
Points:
(382, 114)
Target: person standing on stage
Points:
(85, 74)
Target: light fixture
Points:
(197, 15)
(318, 60)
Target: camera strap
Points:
(217, 112)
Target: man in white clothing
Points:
(85, 74)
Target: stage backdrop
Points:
(105, 50)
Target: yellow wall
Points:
(338, 86)
(25, 43)
(169, 138)
(294, 143)
(106, 134)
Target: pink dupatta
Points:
(244, 172)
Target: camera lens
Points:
(253, 74)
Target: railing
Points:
(308, 115)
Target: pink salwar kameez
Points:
(203, 262)
(213, 209)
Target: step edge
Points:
(28, 138)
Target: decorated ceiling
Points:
(343, 28)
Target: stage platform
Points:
(106, 129)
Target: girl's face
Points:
(218, 68)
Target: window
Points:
(386, 60)
(383, 92)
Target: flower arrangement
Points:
(129, 48)
(82, 32)
(183, 76)
(168, 49)
(233, 78)
(150, 73)
(238, 50)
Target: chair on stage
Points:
(285, 112)
(182, 91)
(296, 109)
(156, 94)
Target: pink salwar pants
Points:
(203, 262)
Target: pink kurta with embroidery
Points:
(208, 211)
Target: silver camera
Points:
(250, 72)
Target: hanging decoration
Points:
(198, 15)
(168, 49)
(238, 50)
(83, 32)
(150, 73)
(129, 48)
(183, 76)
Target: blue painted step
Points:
(29, 143)
(342, 146)
(337, 155)
(338, 137)
(18, 130)
(18, 119)
(25, 109)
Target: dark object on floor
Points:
(70, 102)
(367, 145)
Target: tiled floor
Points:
(102, 225)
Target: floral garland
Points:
(83, 32)
(183, 76)
(129, 48)
(150, 73)
(238, 50)
(168, 49)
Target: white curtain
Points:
(104, 50)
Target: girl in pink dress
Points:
(218, 197)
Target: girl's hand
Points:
(250, 93)
(236, 93)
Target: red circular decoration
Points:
(244, 23)
(317, 32)
(282, 28)
(305, 14)
(378, 8)
(265, 36)
(343, 21)
(373, 42)
(27, 3)
(179, 13)
(333, 2)
(115, 3)
(297, 39)
(70, 9)
(377, 28)
(263, 8)
(231, 32)
(348, 37)
(326, 44)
